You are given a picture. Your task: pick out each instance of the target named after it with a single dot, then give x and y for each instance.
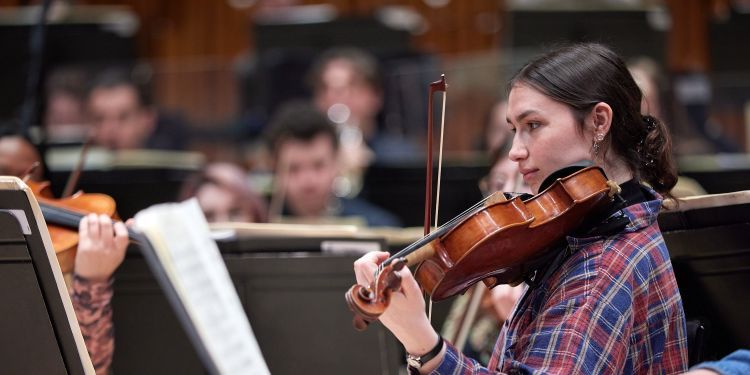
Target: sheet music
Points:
(180, 236)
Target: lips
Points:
(528, 175)
(528, 171)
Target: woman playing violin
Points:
(608, 301)
(101, 249)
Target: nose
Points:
(518, 150)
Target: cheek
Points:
(578, 149)
(321, 183)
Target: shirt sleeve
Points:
(454, 362)
(734, 364)
(91, 302)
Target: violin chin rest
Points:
(564, 172)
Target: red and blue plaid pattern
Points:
(612, 307)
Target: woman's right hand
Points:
(405, 315)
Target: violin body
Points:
(501, 242)
(64, 233)
(498, 243)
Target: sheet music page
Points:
(180, 236)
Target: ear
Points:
(601, 116)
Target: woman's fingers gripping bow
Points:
(366, 266)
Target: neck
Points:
(616, 169)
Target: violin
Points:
(497, 241)
(63, 215)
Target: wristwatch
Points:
(416, 361)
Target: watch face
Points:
(413, 361)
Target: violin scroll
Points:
(368, 303)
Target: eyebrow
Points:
(523, 114)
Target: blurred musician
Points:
(123, 116)
(101, 249)
(223, 192)
(304, 145)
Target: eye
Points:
(534, 124)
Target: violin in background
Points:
(19, 157)
(63, 216)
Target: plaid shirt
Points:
(612, 307)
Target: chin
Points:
(533, 186)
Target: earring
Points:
(597, 139)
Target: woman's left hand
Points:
(101, 247)
(405, 315)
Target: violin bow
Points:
(75, 174)
(36, 50)
(437, 86)
(278, 192)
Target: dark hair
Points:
(363, 63)
(248, 200)
(137, 79)
(298, 120)
(70, 80)
(582, 75)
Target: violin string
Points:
(439, 231)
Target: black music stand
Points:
(39, 330)
(399, 188)
(294, 302)
(710, 252)
(136, 179)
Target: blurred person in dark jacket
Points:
(123, 116)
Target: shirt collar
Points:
(641, 215)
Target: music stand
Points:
(708, 245)
(39, 328)
(399, 189)
(135, 179)
(294, 302)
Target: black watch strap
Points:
(416, 362)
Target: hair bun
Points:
(651, 122)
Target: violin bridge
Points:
(496, 197)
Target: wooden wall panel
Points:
(187, 28)
(194, 43)
(191, 45)
(173, 29)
